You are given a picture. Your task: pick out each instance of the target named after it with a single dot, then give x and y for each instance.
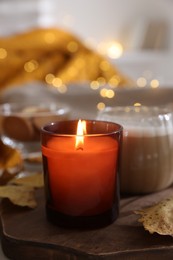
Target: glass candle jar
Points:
(147, 150)
(81, 172)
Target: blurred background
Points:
(129, 32)
(136, 36)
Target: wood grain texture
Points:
(26, 234)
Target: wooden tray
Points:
(26, 234)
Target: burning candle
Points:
(80, 162)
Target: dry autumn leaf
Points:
(11, 163)
(10, 157)
(7, 175)
(20, 191)
(158, 218)
(19, 195)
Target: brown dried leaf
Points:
(33, 181)
(19, 195)
(158, 218)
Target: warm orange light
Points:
(81, 130)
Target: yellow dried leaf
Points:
(11, 163)
(6, 176)
(19, 195)
(158, 218)
(34, 181)
(10, 157)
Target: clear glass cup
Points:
(147, 150)
(20, 124)
(81, 184)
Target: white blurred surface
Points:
(149, 64)
(107, 19)
(95, 21)
(83, 101)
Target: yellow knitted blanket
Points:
(55, 57)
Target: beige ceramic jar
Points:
(147, 152)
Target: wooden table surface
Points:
(26, 234)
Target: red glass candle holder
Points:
(81, 184)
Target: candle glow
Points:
(81, 130)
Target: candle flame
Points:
(81, 130)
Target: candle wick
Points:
(79, 148)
